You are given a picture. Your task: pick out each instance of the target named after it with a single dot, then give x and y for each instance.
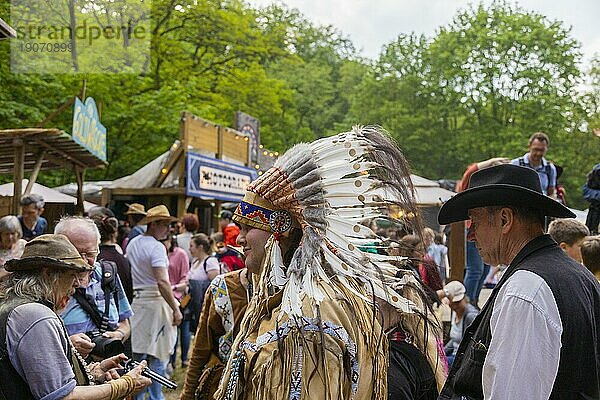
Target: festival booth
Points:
(37, 149)
(209, 167)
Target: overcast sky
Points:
(372, 23)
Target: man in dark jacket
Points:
(537, 336)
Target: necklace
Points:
(85, 366)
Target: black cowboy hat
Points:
(501, 185)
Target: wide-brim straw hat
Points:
(135, 208)
(52, 251)
(158, 213)
(502, 185)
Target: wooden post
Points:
(456, 252)
(79, 176)
(106, 197)
(217, 208)
(18, 175)
(35, 172)
(181, 164)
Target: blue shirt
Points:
(78, 321)
(545, 180)
(137, 230)
(39, 228)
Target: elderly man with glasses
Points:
(93, 327)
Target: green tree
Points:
(479, 88)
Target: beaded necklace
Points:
(85, 366)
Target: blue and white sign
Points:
(87, 129)
(210, 178)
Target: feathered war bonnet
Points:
(327, 188)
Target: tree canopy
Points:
(477, 88)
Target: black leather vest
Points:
(577, 295)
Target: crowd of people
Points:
(322, 284)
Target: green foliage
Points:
(476, 89)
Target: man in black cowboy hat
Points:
(537, 335)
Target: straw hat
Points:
(49, 251)
(158, 213)
(135, 208)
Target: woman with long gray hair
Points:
(37, 359)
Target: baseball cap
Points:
(455, 291)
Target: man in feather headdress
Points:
(316, 325)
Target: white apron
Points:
(152, 331)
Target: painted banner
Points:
(209, 178)
(249, 126)
(87, 129)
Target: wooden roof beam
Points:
(171, 162)
(62, 153)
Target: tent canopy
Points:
(49, 195)
(429, 193)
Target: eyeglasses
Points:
(89, 254)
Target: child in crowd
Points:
(569, 233)
(227, 255)
(439, 253)
(590, 253)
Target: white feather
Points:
(345, 227)
(311, 287)
(337, 153)
(357, 185)
(344, 200)
(291, 301)
(338, 266)
(339, 170)
(277, 276)
(353, 213)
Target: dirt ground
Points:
(179, 377)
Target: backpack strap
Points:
(206, 259)
(89, 305)
(109, 287)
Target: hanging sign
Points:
(87, 129)
(250, 127)
(210, 178)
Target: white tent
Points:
(580, 215)
(429, 193)
(49, 195)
